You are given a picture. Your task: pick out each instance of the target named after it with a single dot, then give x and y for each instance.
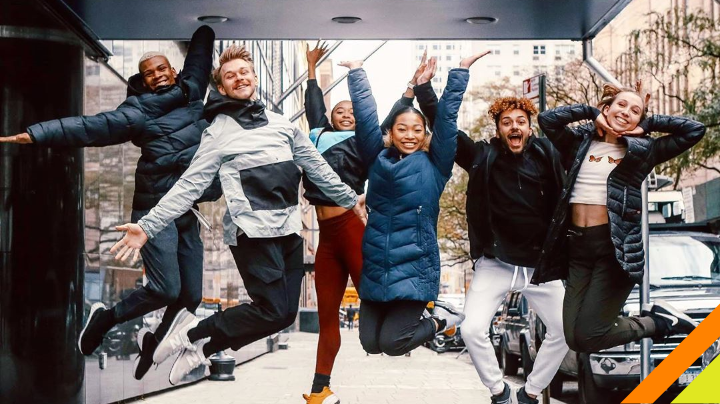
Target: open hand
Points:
(131, 243)
(22, 138)
(420, 69)
(313, 56)
(359, 209)
(468, 61)
(429, 72)
(638, 131)
(351, 64)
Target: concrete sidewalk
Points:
(281, 378)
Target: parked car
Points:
(516, 329)
(711, 353)
(685, 271)
(494, 334)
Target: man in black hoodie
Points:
(514, 183)
(162, 116)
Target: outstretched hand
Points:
(351, 64)
(359, 209)
(420, 69)
(22, 138)
(313, 56)
(133, 240)
(468, 61)
(429, 71)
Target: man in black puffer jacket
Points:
(162, 116)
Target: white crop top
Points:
(591, 184)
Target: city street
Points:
(281, 377)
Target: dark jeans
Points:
(272, 271)
(394, 328)
(595, 293)
(173, 261)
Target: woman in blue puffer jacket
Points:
(408, 169)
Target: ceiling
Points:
(381, 19)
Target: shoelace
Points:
(195, 359)
(180, 341)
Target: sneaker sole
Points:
(95, 307)
(178, 321)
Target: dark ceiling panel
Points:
(381, 19)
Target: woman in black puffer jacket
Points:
(600, 212)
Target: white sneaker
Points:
(176, 337)
(446, 311)
(188, 360)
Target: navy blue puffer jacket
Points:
(166, 124)
(401, 260)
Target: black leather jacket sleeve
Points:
(198, 63)
(554, 123)
(684, 133)
(315, 107)
(428, 100)
(465, 151)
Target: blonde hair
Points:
(148, 56)
(231, 53)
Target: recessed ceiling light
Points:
(481, 20)
(347, 20)
(212, 19)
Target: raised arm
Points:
(444, 141)
(314, 102)
(106, 128)
(554, 124)
(367, 127)
(198, 64)
(406, 100)
(683, 133)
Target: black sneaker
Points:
(144, 360)
(449, 313)
(677, 321)
(523, 398)
(91, 335)
(504, 398)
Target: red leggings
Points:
(339, 254)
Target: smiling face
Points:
(513, 129)
(408, 132)
(157, 72)
(342, 116)
(238, 80)
(625, 112)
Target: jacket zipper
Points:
(419, 226)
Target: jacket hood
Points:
(248, 114)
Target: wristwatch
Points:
(410, 85)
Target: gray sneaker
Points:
(506, 397)
(188, 360)
(176, 337)
(451, 315)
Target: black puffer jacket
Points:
(624, 199)
(165, 124)
(477, 159)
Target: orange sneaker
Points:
(324, 397)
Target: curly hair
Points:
(231, 53)
(610, 92)
(503, 104)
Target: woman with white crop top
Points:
(600, 213)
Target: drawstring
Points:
(514, 278)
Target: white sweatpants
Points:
(491, 282)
